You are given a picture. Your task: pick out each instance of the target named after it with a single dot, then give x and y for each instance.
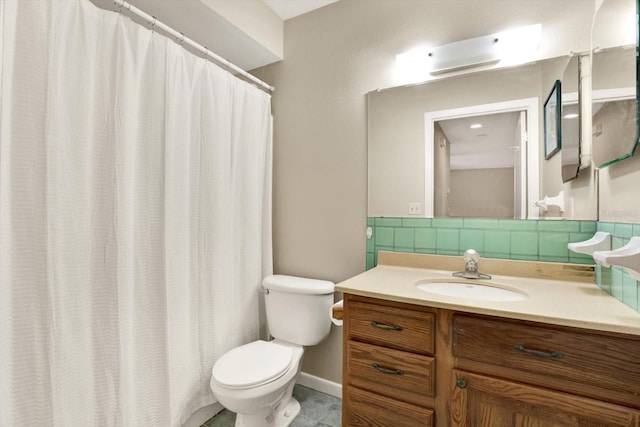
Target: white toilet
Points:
(256, 380)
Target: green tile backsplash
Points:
(531, 240)
(492, 238)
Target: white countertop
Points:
(582, 305)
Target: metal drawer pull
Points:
(538, 353)
(386, 327)
(387, 370)
(461, 383)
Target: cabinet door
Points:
(481, 401)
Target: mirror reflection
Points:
(408, 124)
(614, 105)
(570, 121)
(614, 73)
(410, 175)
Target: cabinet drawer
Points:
(367, 409)
(396, 374)
(394, 327)
(570, 357)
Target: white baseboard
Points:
(203, 414)
(320, 384)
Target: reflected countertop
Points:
(557, 302)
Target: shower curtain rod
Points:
(182, 39)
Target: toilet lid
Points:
(252, 364)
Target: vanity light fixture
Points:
(464, 54)
(511, 47)
(412, 66)
(520, 45)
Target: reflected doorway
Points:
(478, 166)
(480, 162)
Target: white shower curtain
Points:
(135, 201)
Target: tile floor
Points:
(317, 410)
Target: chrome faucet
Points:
(471, 258)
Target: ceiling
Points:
(201, 24)
(198, 21)
(287, 9)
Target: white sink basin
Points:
(467, 290)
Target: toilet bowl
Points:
(256, 380)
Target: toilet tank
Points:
(298, 308)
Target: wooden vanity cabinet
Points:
(446, 368)
(389, 364)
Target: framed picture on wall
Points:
(552, 122)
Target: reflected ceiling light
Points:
(476, 126)
(570, 116)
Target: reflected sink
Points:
(476, 291)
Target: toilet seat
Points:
(252, 365)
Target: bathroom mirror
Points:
(571, 120)
(402, 170)
(614, 82)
